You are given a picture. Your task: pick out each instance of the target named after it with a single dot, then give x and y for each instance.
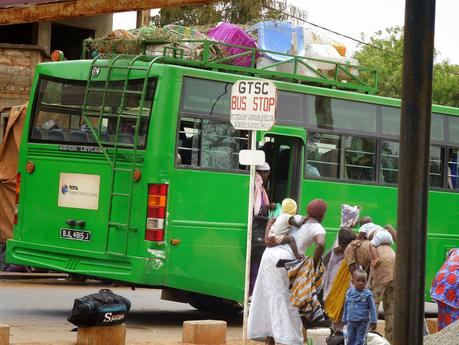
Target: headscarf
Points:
(349, 215)
(260, 196)
(289, 206)
(316, 209)
(445, 287)
(263, 167)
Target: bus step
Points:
(125, 115)
(111, 115)
(121, 194)
(124, 145)
(123, 169)
(103, 90)
(118, 225)
(143, 113)
(122, 226)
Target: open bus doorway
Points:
(283, 154)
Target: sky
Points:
(353, 17)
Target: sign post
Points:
(253, 107)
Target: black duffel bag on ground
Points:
(335, 338)
(104, 308)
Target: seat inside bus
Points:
(78, 136)
(56, 135)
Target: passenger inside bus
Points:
(360, 158)
(185, 144)
(453, 172)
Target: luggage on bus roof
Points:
(277, 36)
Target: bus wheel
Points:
(215, 305)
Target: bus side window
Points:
(453, 172)
(323, 155)
(360, 158)
(189, 129)
(437, 157)
(209, 144)
(389, 162)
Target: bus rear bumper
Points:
(138, 270)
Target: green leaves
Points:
(233, 11)
(385, 52)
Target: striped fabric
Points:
(306, 282)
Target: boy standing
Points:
(359, 309)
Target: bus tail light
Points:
(18, 190)
(156, 212)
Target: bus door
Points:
(284, 155)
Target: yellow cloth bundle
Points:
(334, 304)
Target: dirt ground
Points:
(43, 317)
(131, 339)
(229, 342)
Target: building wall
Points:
(17, 67)
(102, 24)
(17, 61)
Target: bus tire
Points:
(214, 305)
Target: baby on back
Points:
(282, 226)
(377, 236)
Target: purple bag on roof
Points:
(233, 34)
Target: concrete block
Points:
(102, 335)
(380, 327)
(432, 325)
(4, 334)
(204, 332)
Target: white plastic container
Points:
(324, 52)
(318, 336)
(329, 53)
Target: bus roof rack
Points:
(223, 57)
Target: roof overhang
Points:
(26, 11)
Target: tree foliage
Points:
(385, 52)
(233, 11)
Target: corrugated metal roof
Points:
(17, 3)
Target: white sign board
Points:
(79, 191)
(251, 157)
(253, 104)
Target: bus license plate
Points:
(75, 234)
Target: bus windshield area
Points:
(57, 115)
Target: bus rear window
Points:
(57, 115)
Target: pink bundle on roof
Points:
(233, 34)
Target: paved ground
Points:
(37, 313)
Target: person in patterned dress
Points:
(445, 290)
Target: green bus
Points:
(129, 168)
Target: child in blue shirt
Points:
(359, 309)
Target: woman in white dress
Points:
(272, 318)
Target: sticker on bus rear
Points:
(79, 191)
